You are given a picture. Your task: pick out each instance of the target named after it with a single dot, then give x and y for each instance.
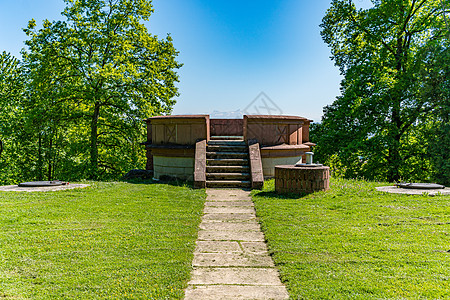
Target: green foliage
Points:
(12, 88)
(353, 242)
(437, 84)
(375, 128)
(440, 151)
(90, 81)
(107, 241)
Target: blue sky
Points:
(231, 50)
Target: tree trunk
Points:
(40, 162)
(93, 145)
(394, 159)
(49, 166)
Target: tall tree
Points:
(102, 70)
(381, 52)
(436, 85)
(11, 91)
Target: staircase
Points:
(227, 163)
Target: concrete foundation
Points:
(172, 148)
(269, 164)
(179, 167)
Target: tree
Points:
(8, 71)
(102, 71)
(437, 83)
(380, 52)
(17, 161)
(11, 91)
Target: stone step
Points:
(227, 162)
(227, 169)
(227, 137)
(226, 143)
(228, 184)
(227, 148)
(227, 176)
(230, 155)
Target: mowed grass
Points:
(107, 241)
(353, 242)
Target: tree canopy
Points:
(11, 92)
(91, 79)
(393, 58)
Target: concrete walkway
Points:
(231, 259)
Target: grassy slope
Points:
(353, 242)
(108, 241)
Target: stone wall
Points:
(171, 140)
(291, 179)
(227, 127)
(269, 164)
(276, 130)
(181, 130)
(179, 167)
(281, 155)
(174, 136)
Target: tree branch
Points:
(370, 34)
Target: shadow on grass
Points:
(169, 180)
(273, 194)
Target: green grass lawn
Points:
(108, 241)
(353, 242)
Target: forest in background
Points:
(74, 106)
(391, 121)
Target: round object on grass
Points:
(420, 186)
(42, 183)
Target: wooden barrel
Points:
(303, 179)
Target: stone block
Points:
(256, 169)
(200, 165)
(228, 195)
(227, 127)
(239, 276)
(229, 217)
(249, 236)
(254, 247)
(217, 247)
(230, 226)
(229, 203)
(173, 161)
(228, 210)
(231, 260)
(217, 292)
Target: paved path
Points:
(231, 259)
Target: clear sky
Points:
(232, 50)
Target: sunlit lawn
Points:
(353, 242)
(108, 241)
